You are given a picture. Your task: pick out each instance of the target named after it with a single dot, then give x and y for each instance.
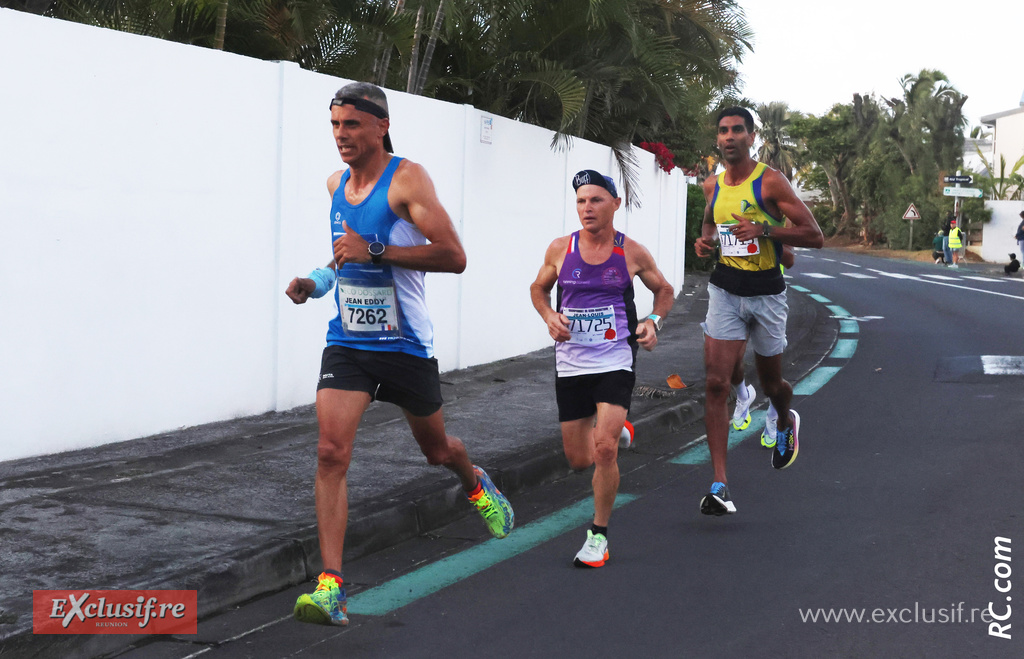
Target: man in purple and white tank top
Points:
(596, 333)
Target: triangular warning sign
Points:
(912, 213)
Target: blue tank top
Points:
(379, 307)
(598, 300)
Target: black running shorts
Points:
(578, 395)
(413, 383)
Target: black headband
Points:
(370, 107)
(592, 177)
(361, 104)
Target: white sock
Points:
(772, 412)
(741, 390)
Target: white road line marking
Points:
(818, 275)
(895, 275)
(858, 275)
(942, 277)
(1003, 364)
(977, 278)
(942, 283)
(852, 265)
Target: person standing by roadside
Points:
(596, 336)
(956, 243)
(384, 211)
(946, 226)
(747, 205)
(937, 252)
(1019, 236)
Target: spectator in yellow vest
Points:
(956, 243)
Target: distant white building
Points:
(973, 161)
(1008, 142)
(1007, 135)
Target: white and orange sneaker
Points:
(594, 552)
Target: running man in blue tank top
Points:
(380, 342)
(596, 335)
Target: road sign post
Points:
(911, 214)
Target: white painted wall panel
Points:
(156, 199)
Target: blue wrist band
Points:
(324, 278)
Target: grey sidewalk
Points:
(227, 509)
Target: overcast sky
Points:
(815, 53)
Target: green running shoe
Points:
(771, 427)
(493, 506)
(326, 605)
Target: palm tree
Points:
(617, 71)
(1007, 186)
(777, 148)
(932, 109)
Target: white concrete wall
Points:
(1008, 140)
(156, 199)
(999, 243)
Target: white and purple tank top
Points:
(598, 300)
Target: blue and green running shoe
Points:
(788, 443)
(492, 506)
(326, 605)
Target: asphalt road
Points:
(902, 509)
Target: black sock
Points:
(336, 574)
(595, 529)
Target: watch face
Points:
(376, 248)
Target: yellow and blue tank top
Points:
(760, 273)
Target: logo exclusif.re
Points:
(114, 611)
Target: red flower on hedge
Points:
(665, 158)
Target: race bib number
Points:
(591, 326)
(733, 247)
(368, 309)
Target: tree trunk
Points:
(415, 52)
(847, 200)
(385, 60)
(222, 25)
(428, 54)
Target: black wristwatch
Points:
(766, 230)
(376, 250)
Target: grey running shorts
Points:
(413, 383)
(761, 319)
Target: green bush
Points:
(695, 205)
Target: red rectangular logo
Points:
(114, 611)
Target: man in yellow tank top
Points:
(748, 205)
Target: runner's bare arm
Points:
(803, 230)
(788, 258)
(664, 295)
(333, 181)
(540, 290)
(413, 198)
